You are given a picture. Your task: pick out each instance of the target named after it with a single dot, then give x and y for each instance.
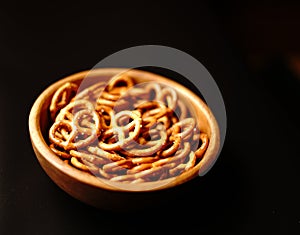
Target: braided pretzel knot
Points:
(132, 134)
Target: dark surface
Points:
(254, 186)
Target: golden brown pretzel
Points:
(119, 83)
(84, 135)
(151, 147)
(61, 153)
(184, 166)
(186, 126)
(169, 97)
(93, 158)
(132, 134)
(105, 154)
(91, 93)
(150, 169)
(123, 139)
(116, 87)
(69, 110)
(201, 150)
(62, 97)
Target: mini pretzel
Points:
(170, 96)
(148, 151)
(152, 111)
(119, 83)
(90, 168)
(123, 141)
(92, 92)
(86, 126)
(137, 94)
(74, 131)
(117, 86)
(105, 154)
(147, 169)
(117, 166)
(184, 166)
(78, 164)
(61, 153)
(66, 144)
(173, 148)
(153, 88)
(106, 95)
(62, 97)
(187, 125)
(200, 151)
(106, 175)
(178, 157)
(181, 108)
(126, 133)
(68, 111)
(89, 157)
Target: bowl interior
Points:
(40, 123)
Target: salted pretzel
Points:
(123, 131)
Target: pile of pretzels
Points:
(125, 131)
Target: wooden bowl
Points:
(98, 193)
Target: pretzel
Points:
(89, 168)
(61, 153)
(123, 141)
(117, 166)
(92, 158)
(187, 125)
(201, 150)
(75, 131)
(78, 164)
(156, 145)
(62, 97)
(153, 88)
(92, 92)
(105, 113)
(153, 112)
(68, 111)
(105, 154)
(137, 93)
(65, 143)
(173, 148)
(181, 109)
(168, 96)
(149, 169)
(184, 166)
(117, 86)
(125, 132)
(114, 84)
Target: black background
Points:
(251, 50)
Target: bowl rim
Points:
(39, 143)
